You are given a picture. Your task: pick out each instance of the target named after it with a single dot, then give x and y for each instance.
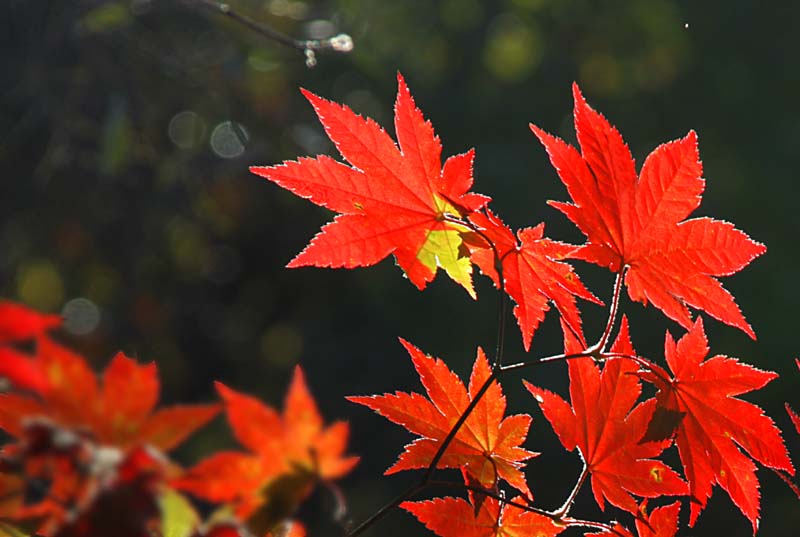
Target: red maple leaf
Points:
(70, 486)
(640, 223)
(713, 422)
(288, 454)
(792, 414)
(21, 370)
(661, 522)
(456, 517)
(18, 322)
(533, 273)
(486, 445)
(601, 424)
(393, 200)
(119, 412)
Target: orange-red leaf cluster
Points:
(88, 455)
(487, 446)
(287, 454)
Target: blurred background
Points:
(126, 130)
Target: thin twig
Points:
(547, 359)
(600, 346)
(490, 494)
(556, 517)
(564, 509)
(454, 430)
(383, 511)
(501, 286)
(337, 43)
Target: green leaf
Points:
(178, 517)
(7, 530)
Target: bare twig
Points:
(309, 47)
(564, 509)
(383, 511)
(600, 346)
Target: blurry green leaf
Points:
(7, 530)
(513, 48)
(178, 517)
(116, 137)
(106, 17)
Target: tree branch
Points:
(309, 47)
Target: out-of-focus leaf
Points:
(7, 530)
(178, 517)
(106, 17)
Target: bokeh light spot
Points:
(229, 139)
(319, 29)
(513, 48)
(461, 14)
(288, 8)
(281, 344)
(601, 73)
(186, 129)
(39, 285)
(81, 316)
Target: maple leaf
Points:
(601, 424)
(640, 224)
(18, 322)
(120, 412)
(72, 486)
(792, 414)
(487, 445)
(21, 370)
(392, 200)
(125, 505)
(714, 422)
(532, 272)
(287, 455)
(456, 517)
(661, 522)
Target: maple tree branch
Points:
(309, 47)
(386, 508)
(556, 517)
(600, 346)
(548, 359)
(454, 430)
(501, 317)
(578, 522)
(490, 494)
(563, 511)
(498, 267)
